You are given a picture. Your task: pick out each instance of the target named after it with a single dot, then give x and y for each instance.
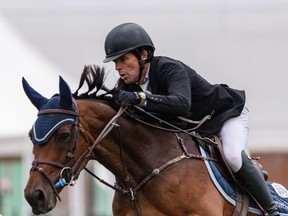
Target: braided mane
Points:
(94, 76)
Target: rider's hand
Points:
(127, 98)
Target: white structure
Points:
(242, 43)
(19, 60)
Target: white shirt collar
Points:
(146, 80)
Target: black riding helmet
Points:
(125, 38)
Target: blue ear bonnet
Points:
(47, 123)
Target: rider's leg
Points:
(234, 137)
(253, 181)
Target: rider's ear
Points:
(144, 55)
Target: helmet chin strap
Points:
(141, 67)
(142, 62)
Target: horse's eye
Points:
(63, 137)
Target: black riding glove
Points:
(127, 98)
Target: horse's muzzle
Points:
(40, 201)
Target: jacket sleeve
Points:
(174, 94)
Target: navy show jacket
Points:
(177, 90)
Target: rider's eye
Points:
(63, 137)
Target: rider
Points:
(168, 86)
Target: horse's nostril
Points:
(39, 196)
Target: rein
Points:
(191, 131)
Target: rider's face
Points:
(128, 68)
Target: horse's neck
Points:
(132, 149)
(144, 149)
(137, 150)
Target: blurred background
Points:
(243, 43)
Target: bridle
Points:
(71, 148)
(72, 172)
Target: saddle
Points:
(216, 152)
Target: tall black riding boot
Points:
(253, 181)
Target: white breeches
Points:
(234, 138)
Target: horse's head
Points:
(54, 136)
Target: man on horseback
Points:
(168, 86)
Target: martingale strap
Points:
(185, 155)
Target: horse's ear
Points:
(36, 99)
(65, 93)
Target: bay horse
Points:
(158, 172)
